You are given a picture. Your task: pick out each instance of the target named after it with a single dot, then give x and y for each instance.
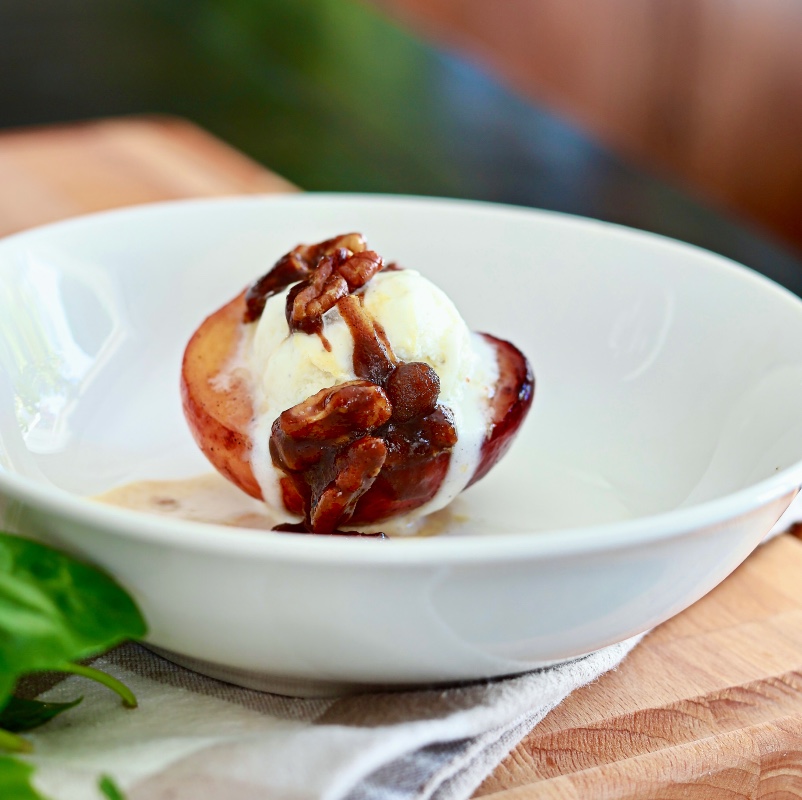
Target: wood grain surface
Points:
(708, 706)
(707, 92)
(47, 174)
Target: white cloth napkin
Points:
(194, 738)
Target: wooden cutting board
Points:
(709, 705)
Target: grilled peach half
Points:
(219, 415)
(359, 452)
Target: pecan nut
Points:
(338, 273)
(312, 298)
(356, 468)
(303, 434)
(336, 412)
(359, 268)
(413, 389)
(294, 266)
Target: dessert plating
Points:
(350, 392)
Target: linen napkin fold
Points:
(195, 738)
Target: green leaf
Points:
(55, 609)
(126, 695)
(15, 780)
(110, 788)
(25, 715)
(14, 743)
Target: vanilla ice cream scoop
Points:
(344, 392)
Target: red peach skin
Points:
(218, 417)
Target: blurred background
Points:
(663, 114)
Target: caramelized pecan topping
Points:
(332, 417)
(333, 446)
(311, 299)
(413, 389)
(295, 266)
(365, 440)
(355, 468)
(334, 278)
(359, 268)
(326, 438)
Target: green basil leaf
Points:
(110, 788)
(15, 780)
(24, 715)
(55, 609)
(13, 742)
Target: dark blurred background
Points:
(679, 116)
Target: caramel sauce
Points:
(204, 498)
(373, 357)
(211, 499)
(300, 527)
(287, 270)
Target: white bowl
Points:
(664, 441)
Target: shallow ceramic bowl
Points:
(664, 441)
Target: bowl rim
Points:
(552, 543)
